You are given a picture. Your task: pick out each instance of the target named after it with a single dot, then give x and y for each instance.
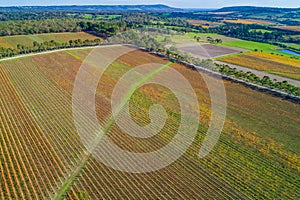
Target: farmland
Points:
(27, 40)
(290, 28)
(262, 143)
(202, 36)
(256, 46)
(204, 23)
(260, 30)
(207, 50)
(99, 17)
(248, 21)
(273, 64)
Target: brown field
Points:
(207, 50)
(203, 23)
(274, 64)
(289, 28)
(248, 21)
(255, 158)
(206, 27)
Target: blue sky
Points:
(175, 3)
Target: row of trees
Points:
(47, 45)
(265, 81)
(214, 41)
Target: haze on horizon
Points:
(173, 3)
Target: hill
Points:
(256, 9)
(106, 8)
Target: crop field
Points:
(27, 40)
(207, 50)
(204, 23)
(289, 28)
(256, 157)
(248, 21)
(273, 64)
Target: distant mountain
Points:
(105, 8)
(256, 9)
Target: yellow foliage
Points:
(247, 21)
(282, 66)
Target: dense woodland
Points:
(243, 31)
(58, 25)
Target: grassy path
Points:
(76, 172)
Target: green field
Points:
(88, 16)
(203, 37)
(252, 46)
(27, 40)
(261, 30)
(99, 17)
(109, 17)
(297, 46)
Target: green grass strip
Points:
(111, 121)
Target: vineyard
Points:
(273, 64)
(42, 157)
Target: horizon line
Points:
(48, 5)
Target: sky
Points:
(174, 3)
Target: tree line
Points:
(252, 32)
(46, 45)
(27, 27)
(265, 81)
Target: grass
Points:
(88, 16)
(294, 45)
(27, 40)
(261, 30)
(101, 17)
(110, 122)
(259, 46)
(203, 37)
(109, 17)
